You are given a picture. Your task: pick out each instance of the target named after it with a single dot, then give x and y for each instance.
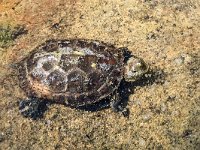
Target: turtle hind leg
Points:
(117, 105)
(33, 108)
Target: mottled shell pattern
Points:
(74, 72)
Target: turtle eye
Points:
(134, 71)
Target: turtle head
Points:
(134, 69)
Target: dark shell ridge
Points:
(76, 72)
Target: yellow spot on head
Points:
(93, 65)
(79, 53)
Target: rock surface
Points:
(164, 112)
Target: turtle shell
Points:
(75, 72)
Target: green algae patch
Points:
(8, 33)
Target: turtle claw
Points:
(117, 106)
(123, 110)
(32, 108)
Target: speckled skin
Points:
(73, 72)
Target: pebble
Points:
(142, 142)
(183, 59)
(147, 116)
(163, 107)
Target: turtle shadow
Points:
(126, 89)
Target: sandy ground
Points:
(164, 114)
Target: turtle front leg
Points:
(32, 108)
(127, 54)
(117, 105)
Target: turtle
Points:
(76, 73)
